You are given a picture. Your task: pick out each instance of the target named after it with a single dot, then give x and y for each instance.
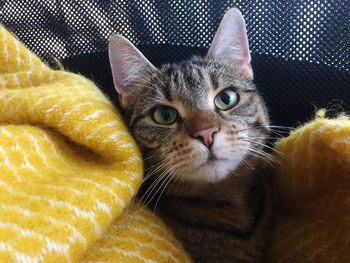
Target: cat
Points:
(201, 126)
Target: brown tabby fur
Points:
(213, 198)
(224, 221)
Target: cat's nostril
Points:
(206, 135)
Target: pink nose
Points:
(206, 136)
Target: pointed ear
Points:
(128, 67)
(230, 44)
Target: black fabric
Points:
(300, 49)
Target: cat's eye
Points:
(165, 115)
(226, 99)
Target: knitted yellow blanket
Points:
(70, 170)
(312, 194)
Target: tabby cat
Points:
(201, 125)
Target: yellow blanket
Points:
(70, 170)
(312, 194)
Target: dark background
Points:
(300, 49)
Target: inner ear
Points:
(129, 68)
(230, 44)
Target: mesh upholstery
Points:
(300, 49)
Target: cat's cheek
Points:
(145, 142)
(228, 146)
(188, 160)
(198, 156)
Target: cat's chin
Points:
(214, 170)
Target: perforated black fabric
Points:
(300, 49)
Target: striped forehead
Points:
(188, 83)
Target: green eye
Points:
(165, 115)
(226, 99)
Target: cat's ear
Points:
(230, 44)
(128, 67)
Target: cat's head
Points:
(197, 120)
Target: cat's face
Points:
(197, 120)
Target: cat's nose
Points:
(206, 135)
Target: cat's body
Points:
(225, 222)
(201, 126)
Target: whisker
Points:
(177, 178)
(277, 127)
(151, 167)
(257, 151)
(264, 145)
(148, 158)
(157, 185)
(263, 137)
(262, 155)
(158, 188)
(167, 180)
(152, 187)
(278, 131)
(259, 156)
(151, 173)
(248, 164)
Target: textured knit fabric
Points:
(69, 168)
(137, 236)
(312, 194)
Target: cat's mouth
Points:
(212, 160)
(213, 167)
